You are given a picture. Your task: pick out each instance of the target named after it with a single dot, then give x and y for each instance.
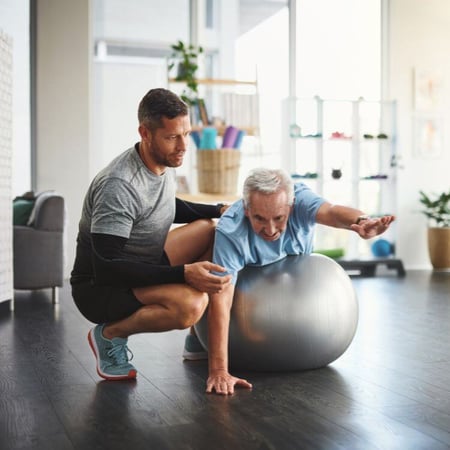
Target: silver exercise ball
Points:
(296, 314)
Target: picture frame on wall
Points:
(428, 89)
(428, 133)
(428, 117)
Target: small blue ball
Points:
(381, 247)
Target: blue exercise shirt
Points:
(237, 245)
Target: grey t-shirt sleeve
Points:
(115, 207)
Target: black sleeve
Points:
(187, 212)
(112, 269)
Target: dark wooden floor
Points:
(390, 390)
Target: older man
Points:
(274, 219)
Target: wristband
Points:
(361, 218)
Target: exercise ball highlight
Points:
(298, 313)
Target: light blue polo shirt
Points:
(237, 245)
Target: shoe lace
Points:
(119, 352)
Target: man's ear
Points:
(145, 133)
(246, 211)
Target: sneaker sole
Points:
(131, 374)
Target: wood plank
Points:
(390, 389)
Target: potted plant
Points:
(437, 210)
(187, 58)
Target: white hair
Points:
(268, 181)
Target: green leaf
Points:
(436, 208)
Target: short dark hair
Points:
(158, 103)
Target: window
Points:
(339, 49)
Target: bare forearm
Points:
(218, 329)
(338, 216)
(219, 379)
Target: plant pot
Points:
(181, 71)
(439, 247)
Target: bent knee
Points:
(192, 310)
(207, 226)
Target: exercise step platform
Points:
(367, 267)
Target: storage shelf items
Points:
(349, 147)
(225, 102)
(249, 130)
(216, 81)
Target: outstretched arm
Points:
(339, 216)
(219, 379)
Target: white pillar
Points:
(63, 70)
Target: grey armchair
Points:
(38, 247)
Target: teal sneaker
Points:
(111, 355)
(193, 349)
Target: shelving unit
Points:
(241, 111)
(345, 150)
(228, 102)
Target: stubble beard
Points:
(165, 160)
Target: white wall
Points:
(114, 118)
(63, 105)
(14, 20)
(119, 82)
(79, 131)
(142, 21)
(228, 34)
(6, 235)
(419, 37)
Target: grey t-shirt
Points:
(126, 199)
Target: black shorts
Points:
(103, 304)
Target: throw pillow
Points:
(21, 211)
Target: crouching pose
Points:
(132, 272)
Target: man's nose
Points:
(271, 228)
(183, 142)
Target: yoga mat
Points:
(208, 139)
(229, 137)
(331, 252)
(239, 138)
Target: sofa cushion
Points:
(40, 198)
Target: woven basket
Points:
(218, 170)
